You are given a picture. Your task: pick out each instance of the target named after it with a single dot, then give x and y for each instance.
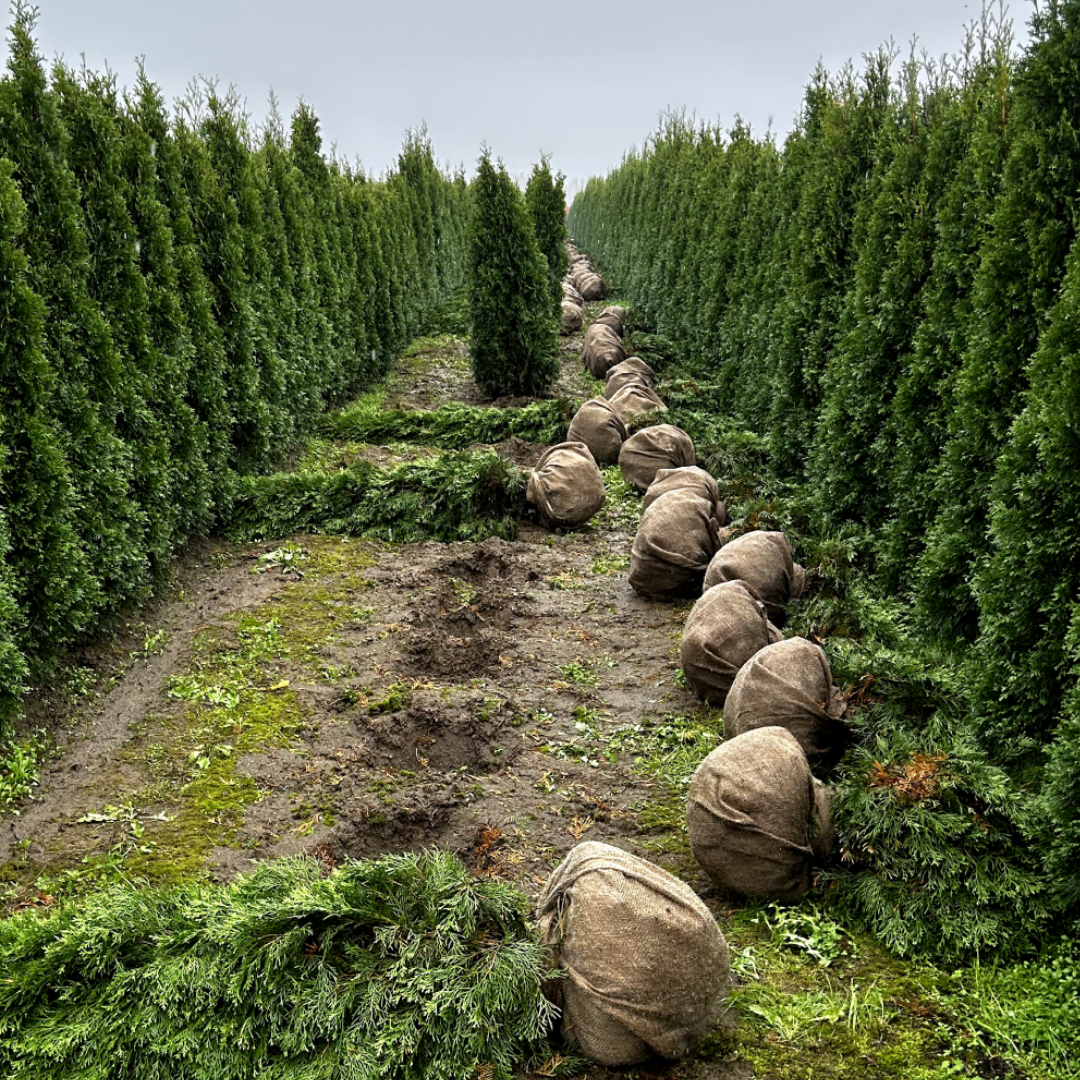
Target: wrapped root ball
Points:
(726, 627)
(572, 317)
(757, 818)
(613, 316)
(590, 285)
(628, 373)
(635, 404)
(598, 426)
(566, 486)
(646, 965)
(763, 561)
(674, 543)
(602, 350)
(687, 478)
(662, 446)
(789, 685)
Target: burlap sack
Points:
(646, 965)
(590, 286)
(613, 316)
(571, 294)
(789, 685)
(688, 478)
(762, 560)
(674, 543)
(572, 319)
(636, 402)
(620, 382)
(757, 817)
(602, 350)
(598, 426)
(566, 486)
(662, 446)
(726, 627)
(633, 371)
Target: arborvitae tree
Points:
(513, 339)
(852, 452)
(13, 666)
(305, 148)
(45, 591)
(970, 147)
(88, 110)
(203, 346)
(842, 120)
(545, 197)
(1020, 271)
(78, 348)
(241, 176)
(216, 223)
(190, 486)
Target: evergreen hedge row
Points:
(180, 298)
(889, 302)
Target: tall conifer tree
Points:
(545, 197)
(513, 331)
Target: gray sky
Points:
(583, 82)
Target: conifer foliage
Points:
(401, 968)
(513, 331)
(545, 197)
(892, 304)
(181, 299)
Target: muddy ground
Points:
(503, 700)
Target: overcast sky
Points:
(581, 81)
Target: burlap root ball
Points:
(637, 365)
(637, 405)
(763, 561)
(674, 543)
(687, 478)
(590, 285)
(757, 818)
(646, 965)
(566, 486)
(572, 318)
(571, 294)
(726, 627)
(626, 374)
(662, 446)
(598, 426)
(789, 684)
(602, 350)
(613, 316)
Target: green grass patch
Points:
(20, 768)
(404, 967)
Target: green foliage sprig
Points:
(404, 967)
(462, 496)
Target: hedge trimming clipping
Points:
(888, 303)
(403, 967)
(453, 427)
(181, 298)
(458, 496)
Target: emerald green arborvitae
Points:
(1021, 267)
(969, 147)
(89, 112)
(513, 332)
(202, 348)
(45, 572)
(545, 198)
(86, 368)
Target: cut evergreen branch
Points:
(454, 427)
(404, 967)
(462, 496)
(513, 335)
